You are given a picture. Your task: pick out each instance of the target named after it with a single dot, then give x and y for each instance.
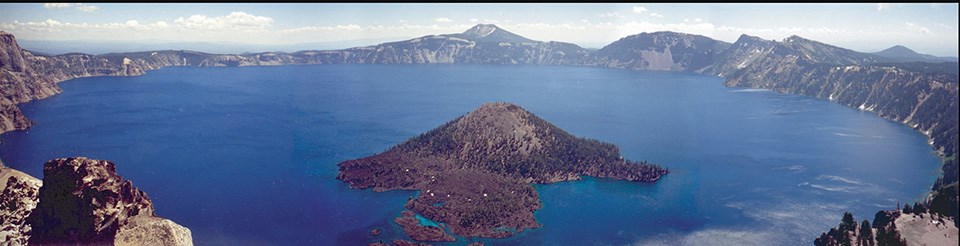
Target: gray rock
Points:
(150, 230)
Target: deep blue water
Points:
(248, 155)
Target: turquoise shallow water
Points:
(247, 155)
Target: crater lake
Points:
(247, 155)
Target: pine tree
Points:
(866, 234)
(848, 223)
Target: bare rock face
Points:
(11, 57)
(150, 230)
(19, 197)
(84, 201)
(11, 118)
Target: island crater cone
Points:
(474, 172)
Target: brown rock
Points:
(84, 201)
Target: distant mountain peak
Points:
(900, 47)
(898, 51)
(903, 54)
(481, 30)
(492, 33)
(745, 37)
(795, 38)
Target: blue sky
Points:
(926, 28)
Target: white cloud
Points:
(88, 8)
(883, 6)
(60, 5)
(443, 20)
(919, 28)
(639, 9)
(79, 6)
(656, 15)
(236, 21)
(348, 27)
(474, 20)
(610, 15)
(698, 20)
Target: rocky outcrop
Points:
(150, 230)
(84, 201)
(474, 173)
(18, 196)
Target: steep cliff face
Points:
(11, 56)
(84, 201)
(666, 51)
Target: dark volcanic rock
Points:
(84, 201)
(474, 172)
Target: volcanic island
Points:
(475, 173)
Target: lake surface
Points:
(248, 155)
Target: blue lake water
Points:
(248, 155)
